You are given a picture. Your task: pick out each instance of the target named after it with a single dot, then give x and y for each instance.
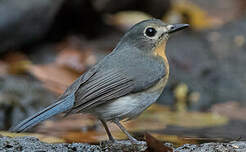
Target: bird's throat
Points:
(161, 51)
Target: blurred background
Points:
(46, 44)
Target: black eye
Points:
(150, 31)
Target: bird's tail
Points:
(58, 107)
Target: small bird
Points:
(123, 84)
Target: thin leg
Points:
(132, 139)
(111, 138)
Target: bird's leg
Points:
(111, 138)
(132, 139)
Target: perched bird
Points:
(123, 84)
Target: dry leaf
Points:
(155, 145)
(55, 78)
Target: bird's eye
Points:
(172, 27)
(150, 32)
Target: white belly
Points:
(130, 106)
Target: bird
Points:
(121, 85)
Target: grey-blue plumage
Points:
(58, 107)
(123, 84)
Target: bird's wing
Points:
(101, 87)
(78, 82)
(115, 77)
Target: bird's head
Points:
(148, 35)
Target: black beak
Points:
(177, 27)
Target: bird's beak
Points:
(176, 27)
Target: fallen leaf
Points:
(155, 145)
(54, 77)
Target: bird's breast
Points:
(160, 51)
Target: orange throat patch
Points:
(161, 51)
